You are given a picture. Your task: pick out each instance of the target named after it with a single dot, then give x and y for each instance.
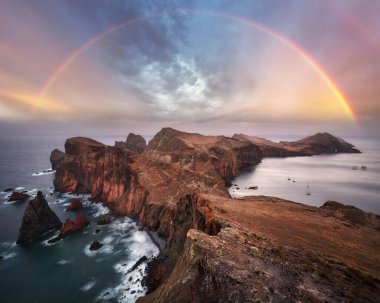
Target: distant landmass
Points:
(221, 249)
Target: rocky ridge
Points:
(177, 187)
(321, 143)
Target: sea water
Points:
(66, 271)
(352, 179)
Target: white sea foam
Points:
(6, 244)
(44, 172)
(46, 242)
(64, 261)
(9, 255)
(138, 245)
(98, 209)
(88, 286)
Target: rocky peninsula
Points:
(219, 249)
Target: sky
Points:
(113, 66)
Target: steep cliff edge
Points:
(321, 143)
(265, 249)
(149, 184)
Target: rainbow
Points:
(312, 62)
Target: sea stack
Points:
(38, 219)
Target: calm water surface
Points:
(325, 177)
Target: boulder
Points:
(137, 264)
(104, 219)
(16, 196)
(95, 245)
(70, 227)
(38, 219)
(55, 239)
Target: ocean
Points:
(67, 271)
(352, 179)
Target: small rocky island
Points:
(219, 249)
(38, 219)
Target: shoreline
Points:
(177, 188)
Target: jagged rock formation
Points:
(56, 157)
(38, 219)
(265, 249)
(70, 227)
(134, 143)
(177, 186)
(321, 143)
(149, 184)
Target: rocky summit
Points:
(134, 143)
(219, 249)
(38, 219)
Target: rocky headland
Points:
(219, 249)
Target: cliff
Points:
(177, 187)
(321, 143)
(149, 184)
(265, 249)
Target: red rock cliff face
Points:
(221, 249)
(213, 155)
(150, 184)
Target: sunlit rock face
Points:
(269, 250)
(177, 186)
(173, 164)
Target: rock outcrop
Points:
(221, 249)
(70, 227)
(104, 219)
(38, 219)
(56, 157)
(265, 249)
(321, 143)
(95, 245)
(134, 143)
(16, 196)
